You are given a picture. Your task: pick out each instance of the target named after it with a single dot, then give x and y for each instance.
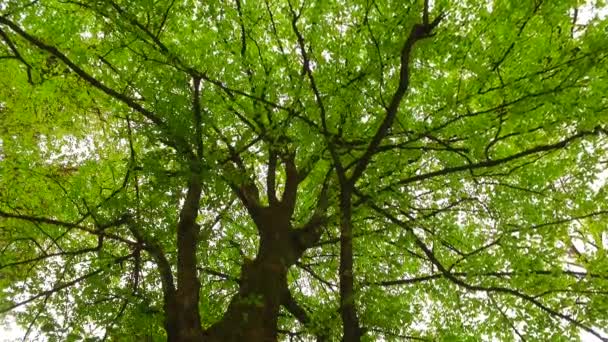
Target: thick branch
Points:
(501, 274)
(288, 200)
(244, 186)
(271, 177)
(188, 284)
(418, 32)
(298, 312)
(196, 111)
(495, 162)
(309, 235)
(166, 275)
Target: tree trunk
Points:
(182, 320)
(348, 312)
(253, 312)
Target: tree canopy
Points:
(303, 170)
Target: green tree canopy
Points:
(304, 170)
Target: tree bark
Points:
(348, 312)
(182, 321)
(252, 313)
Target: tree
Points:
(254, 171)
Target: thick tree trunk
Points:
(171, 322)
(253, 312)
(348, 312)
(182, 321)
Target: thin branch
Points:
(479, 288)
(179, 143)
(17, 55)
(63, 286)
(495, 162)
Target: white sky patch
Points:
(588, 11)
(490, 6)
(585, 14)
(600, 180)
(71, 150)
(10, 331)
(587, 337)
(86, 35)
(326, 56)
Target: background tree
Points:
(263, 170)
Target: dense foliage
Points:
(297, 169)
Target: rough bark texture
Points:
(253, 312)
(182, 322)
(348, 312)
